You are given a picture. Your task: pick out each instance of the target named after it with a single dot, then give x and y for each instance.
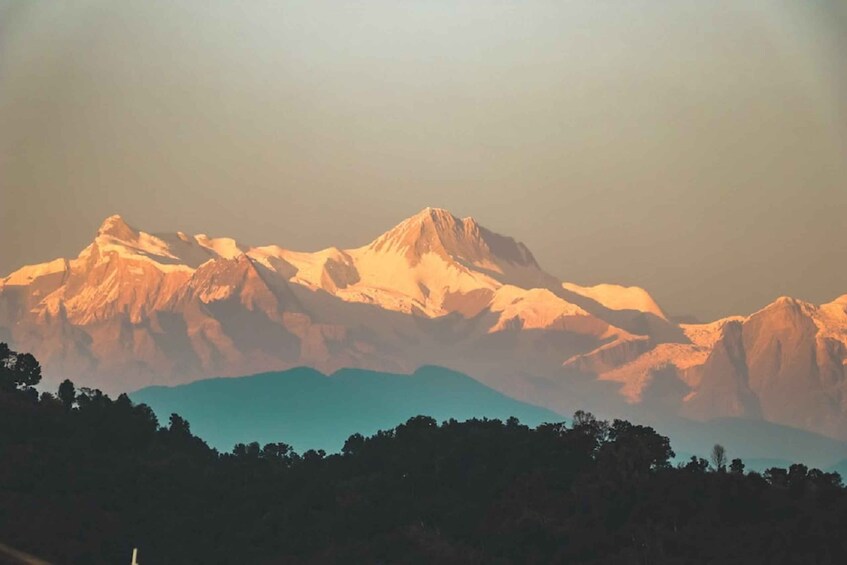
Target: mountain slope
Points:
(786, 363)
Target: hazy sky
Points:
(696, 148)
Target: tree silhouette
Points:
(777, 476)
(67, 393)
(278, 451)
(718, 458)
(737, 466)
(353, 444)
(696, 465)
(18, 371)
(179, 426)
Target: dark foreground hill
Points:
(87, 485)
(312, 411)
(84, 479)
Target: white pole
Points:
(135, 556)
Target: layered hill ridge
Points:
(135, 309)
(315, 411)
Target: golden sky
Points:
(697, 149)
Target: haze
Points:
(694, 148)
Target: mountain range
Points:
(135, 309)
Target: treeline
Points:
(85, 478)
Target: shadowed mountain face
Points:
(311, 411)
(136, 309)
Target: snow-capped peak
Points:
(617, 297)
(116, 237)
(435, 230)
(25, 275)
(166, 251)
(115, 226)
(440, 251)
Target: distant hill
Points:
(840, 468)
(309, 410)
(760, 444)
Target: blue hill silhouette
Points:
(308, 410)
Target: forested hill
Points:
(84, 479)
